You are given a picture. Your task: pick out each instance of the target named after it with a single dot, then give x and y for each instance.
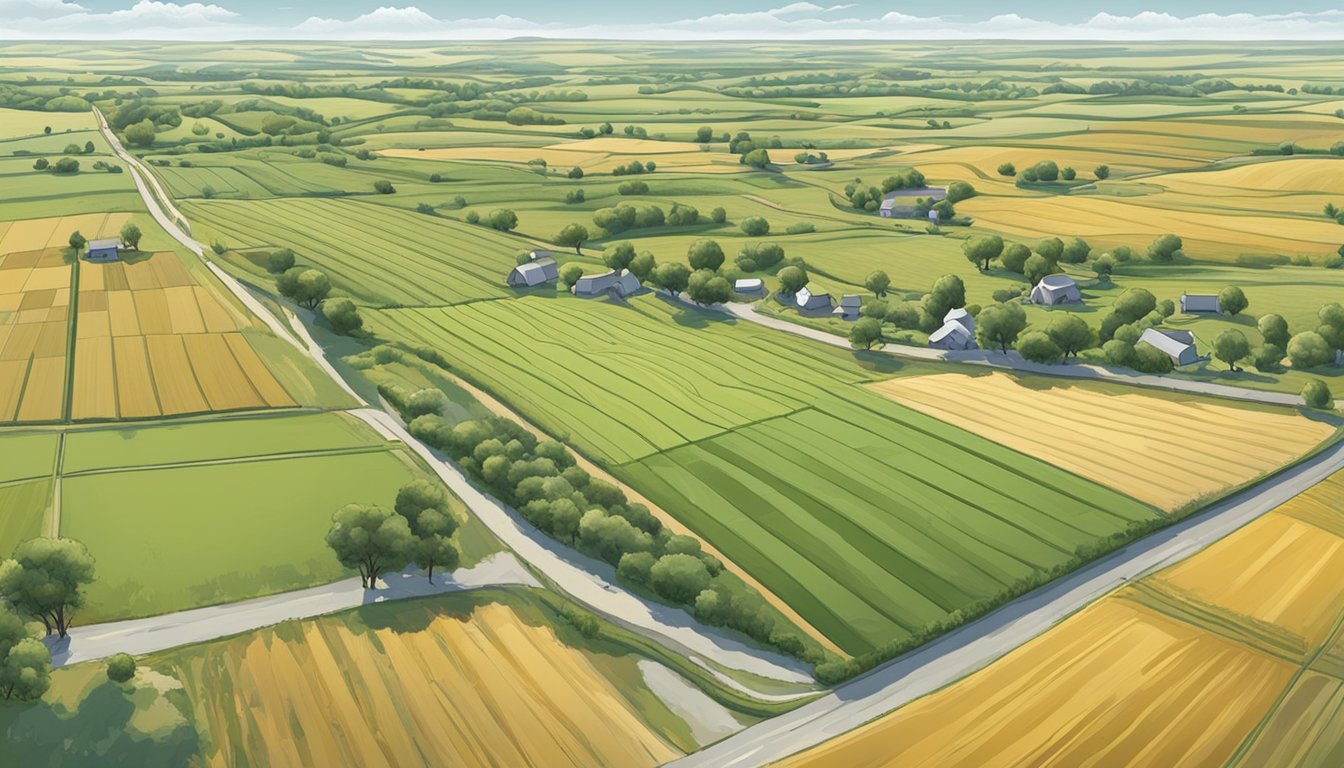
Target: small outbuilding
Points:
(534, 273)
(962, 318)
(1056, 289)
(749, 286)
(104, 250)
(619, 284)
(541, 253)
(849, 307)
(812, 303)
(1199, 303)
(952, 336)
(1178, 345)
(901, 203)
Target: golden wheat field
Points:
(1134, 442)
(151, 341)
(486, 688)
(1115, 682)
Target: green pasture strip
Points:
(23, 507)
(27, 455)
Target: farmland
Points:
(1117, 436)
(1230, 657)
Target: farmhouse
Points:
(1201, 302)
(812, 303)
(953, 335)
(1056, 289)
(900, 203)
(749, 286)
(619, 284)
(961, 317)
(1178, 345)
(533, 273)
(103, 250)
(849, 307)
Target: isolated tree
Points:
(1037, 267)
(1071, 334)
(45, 580)
(960, 190)
(503, 220)
(1014, 257)
(619, 255)
(704, 134)
(384, 187)
(120, 667)
(1165, 248)
(865, 332)
(279, 261)
(792, 279)
(130, 236)
(755, 226)
(371, 539)
(343, 315)
(1231, 347)
(77, 241)
(1068, 174)
(65, 165)
(573, 236)
(1007, 169)
(1102, 172)
(311, 287)
(706, 287)
(704, 254)
(1038, 347)
(1315, 394)
(41, 164)
(982, 249)
(877, 282)
(999, 325)
(1233, 300)
(1309, 349)
(671, 277)
(140, 134)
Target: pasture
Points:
(1132, 440)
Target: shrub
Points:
(1315, 394)
(800, 228)
(633, 188)
(343, 315)
(120, 667)
(279, 261)
(718, 215)
(755, 226)
(384, 187)
(679, 578)
(1309, 350)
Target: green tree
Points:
(1267, 358)
(791, 280)
(1038, 347)
(704, 134)
(1233, 300)
(130, 236)
(120, 667)
(1068, 174)
(960, 190)
(1274, 329)
(643, 264)
(371, 539)
(679, 578)
(1134, 304)
(947, 293)
(343, 315)
(1037, 267)
(1075, 251)
(903, 315)
(570, 274)
(718, 215)
(1051, 248)
(311, 287)
(1007, 169)
(619, 255)
(1071, 334)
(66, 165)
(1166, 248)
(45, 580)
(41, 164)
(25, 662)
(982, 249)
(756, 158)
(77, 241)
(704, 254)
(140, 134)
(1315, 394)
(865, 332)
(706, 287)
(1102, 172)
(573, 236)
(384, 187)
(755, 226)
(1014, 257)
(999, 325)
(671, 277)
(279, 261)
(503, 220)
(1104, 265)
(1308, 350)
(1231, 347)
(877, 282)
(1046, 170)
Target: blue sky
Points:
(682, 20)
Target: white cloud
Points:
(793, 21)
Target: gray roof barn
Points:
(533, 273)
(807, 301)
(900, 203)
(953, 335)
(849, 307)
(104, 250)
(1056, 289)
(962, 318)
(1178, 345)
(749, 286)
(619, 284)
(1197, 302)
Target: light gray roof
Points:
(851, 300)
(1200, 302)
(748, 285)
(534, 272)
(806, 299)
(961, 317)
(1057, 282)
(1173, 343)
(104, 243)
(621, 283)
(950, 328)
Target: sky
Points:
(681, 20)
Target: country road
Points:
(959, 653)
(589, 581)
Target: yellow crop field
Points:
(173, 379)
(1116, 681)
(34, 323)
(95, 394)
(483, 689)
(136, 397)
(54, 232)
(1294, 174)
(1120, 437)
(1306, 728)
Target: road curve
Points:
(959, 653)
(589, 581)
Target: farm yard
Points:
(1230, 657)
(1122, 437)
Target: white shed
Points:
(1056, 289)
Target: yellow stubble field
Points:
(1121, 437)
(483, 689)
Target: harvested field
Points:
(480, 688)
(1117, 683)
(1120, 437)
